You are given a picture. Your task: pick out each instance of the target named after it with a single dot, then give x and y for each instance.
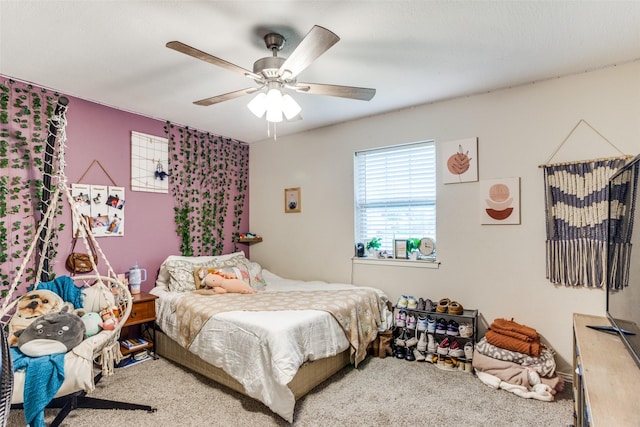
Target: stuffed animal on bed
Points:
(30, 306)
(215, 281)
(52, 333)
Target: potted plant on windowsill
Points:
(373, 246)
(412, 247)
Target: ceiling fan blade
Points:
(203, 56)
(315, 43)
(225, 97)
(351, 92)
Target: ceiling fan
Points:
(275, 73)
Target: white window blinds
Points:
(395, 193)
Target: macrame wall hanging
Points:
(576, 207)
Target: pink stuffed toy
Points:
(109, 319)
(222, 284)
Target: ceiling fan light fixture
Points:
(258, 105)
(274, 104)
(290, 107)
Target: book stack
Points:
(133, 343)
(134, 359)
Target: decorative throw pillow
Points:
(255, 274)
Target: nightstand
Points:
(141, 318)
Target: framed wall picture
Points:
(461, 161)
(292, 200)
(400, 248)
(500, 201)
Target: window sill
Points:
(411, 263)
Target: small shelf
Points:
(248, 240)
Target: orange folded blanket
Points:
(511, 326)
(512, 334)
(531, 347)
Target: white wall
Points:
(499, 269)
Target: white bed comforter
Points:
(263, 350)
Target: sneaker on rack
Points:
(418, 355)
(410, 322)
(409, 355)
(429, 305)
(422, 322)
(441, 326)
(432, 345)
(412, 340)
(401, 319)
(443, 347)
(452, 328)
(420, 304)
(422, 342)
(468, 350)
(402, 302)
(431, 325)
(466, 330)
(455, 350)
(400, 341)
(412, 303)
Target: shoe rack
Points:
(439, 358)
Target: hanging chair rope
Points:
(108, 352)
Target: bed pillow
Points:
(236, 272)
(181, 269)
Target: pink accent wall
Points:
(98, 132)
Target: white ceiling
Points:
(411, 52)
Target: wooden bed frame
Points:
(308, 376)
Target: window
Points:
(395, 193)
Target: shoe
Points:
(411, 341)
(468, 350)
(431, 325)
(412, 303)
(448, 364)
(401, 340)
(420, 304)
(455, 308)
(432, 346)
(422, 322)
(409, 355)
(422, 342)
(443, 305)
(402, 302)
(410, 321)
(452, 328)
(455, 350)
(430, 357)
(400, 352)
(441, 326)
(443, 347)
(429, 305)
(466, 330)
(401, 319)
(468, 367)
(418, 355)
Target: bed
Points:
(275, 345)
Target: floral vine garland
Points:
(208, 175)
(24, 113)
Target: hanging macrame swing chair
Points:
(97, 355)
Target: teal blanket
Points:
(44, 376)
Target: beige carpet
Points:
(382, 392)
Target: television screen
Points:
(623, 257)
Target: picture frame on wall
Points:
(292, 200)
(400, 249)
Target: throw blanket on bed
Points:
(356, 310)
(44, 376)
